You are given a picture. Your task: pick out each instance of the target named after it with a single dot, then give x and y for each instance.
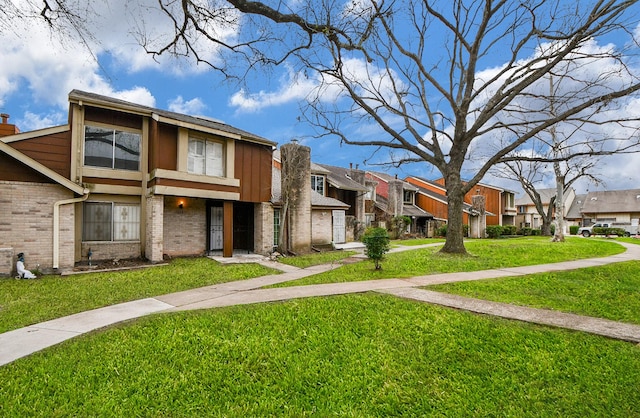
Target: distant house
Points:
(316, 219)
(612, 206)
(528, 215)
(499, 203)
(394, 197)
(123, 180)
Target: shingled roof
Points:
(612, 201)
(78, 96)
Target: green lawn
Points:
(25, 302)
(484, 254)
(356, 356)
(314, 259)
(611, 291)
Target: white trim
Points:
(114, 189)
(198, 178)
(35, 134)
(187, 192)
(110, 173)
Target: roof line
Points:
(39, 167)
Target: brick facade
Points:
(155, 233)
(185, 229)
(321, 227)
(26, 223)
(263, 224)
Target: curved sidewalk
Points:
(25, 341)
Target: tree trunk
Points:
(455, 228)
(558, 236)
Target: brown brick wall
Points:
(26, 223)
(185, 230)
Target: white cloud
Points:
(292, 88)
(31, 121)
(190, 107)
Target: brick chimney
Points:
(296, 196)
(7, 128)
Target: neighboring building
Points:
(394, 197)
(528, 216)
(123, 180)
(574, 214)
(499, 203)
(316, 219)
(612, 206)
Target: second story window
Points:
(407, 197)
(111, 148)
(317, 183)
(205, 157)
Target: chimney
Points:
(7, 128)
(296, 195)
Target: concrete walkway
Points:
(25, 341)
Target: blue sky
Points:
(37, 72)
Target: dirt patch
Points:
(116, 264)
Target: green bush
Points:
(536, 232)
(442, 231)
(494, 231)
(509, 230)
(573, 229)
(376, 241)
(608, 231)
(526, 231)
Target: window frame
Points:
(411, 194)
(115, 131)
(113, 222)
(221, 170)
(314, 183)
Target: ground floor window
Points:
(276, 226)
(111, 221)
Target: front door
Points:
(339, 227)
(216, 223)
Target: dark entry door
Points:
(243, 226)
(216, 223)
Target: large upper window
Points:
(317, 183)
(205, 157)
(108, 221)
(111, 148)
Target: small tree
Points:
(377, 242)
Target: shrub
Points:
(442, 231)
(376, 241)
(536, 232)
(509, 230)
(400, 224)
(525, 231)
(609, 231)
(573, 229)
(494, 231)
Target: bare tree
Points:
(533, 176)
(418, 71)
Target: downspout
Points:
(56, 224)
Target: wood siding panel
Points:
(52, 151)
(14, 170)
(437, 209)
(253, 169)
(110, 117)
(167, 151)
